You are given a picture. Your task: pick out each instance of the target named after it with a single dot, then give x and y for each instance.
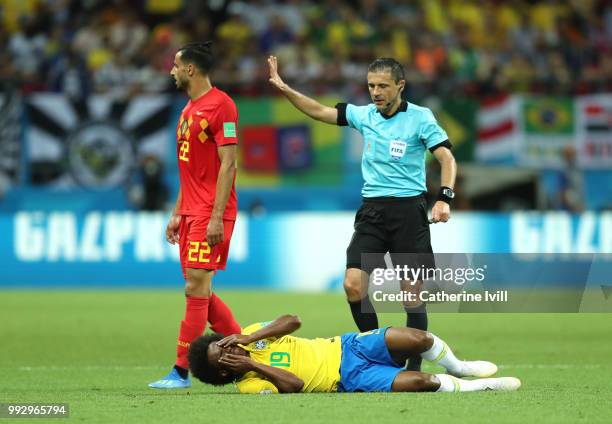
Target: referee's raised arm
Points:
(305, 104)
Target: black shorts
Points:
(391, 224)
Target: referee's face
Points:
(384, 91)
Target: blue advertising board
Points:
(286, 251)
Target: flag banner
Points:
(534, 131)
(594, 131)
(308, 152)
(95, 143)
(295, 148)
(259, 148)
(458, 118)
(499, 134)
(548, 128)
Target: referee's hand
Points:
(440, 212)
(275, 78)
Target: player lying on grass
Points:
(265, 359)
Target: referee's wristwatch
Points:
(446, 194)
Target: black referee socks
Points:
(364, 314)
(416, 318)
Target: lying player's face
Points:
(384, 91)
(179, 72)
(215, 352)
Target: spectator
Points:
(447, 46)
(128, 34)
(275, 36)
(233, 35)
(68, 74)
(27, 48)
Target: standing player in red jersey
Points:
(203, 218)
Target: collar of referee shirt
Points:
(403, 107)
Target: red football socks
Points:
(220, 317)
(192, 327)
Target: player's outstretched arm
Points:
(304, 103)
(281, 326)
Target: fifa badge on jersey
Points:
(260, 345)
(229, 129)
(397, 149)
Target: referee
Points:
(393, 216)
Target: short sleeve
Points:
(431, 133)
(354, 116)
(256, 385)
(349, 115)
(225, 125)
(250, 329)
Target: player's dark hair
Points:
(199, 365)
(199, 54)
(383, 64)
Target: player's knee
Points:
(418, 341)
(197, 283)
(191, 288)
(427, 382)
(423, 340)
(422, 382)
(411, 381)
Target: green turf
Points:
(98, 350)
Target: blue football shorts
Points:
(366, 364)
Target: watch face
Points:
(449, 193)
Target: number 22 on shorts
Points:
(198, 252)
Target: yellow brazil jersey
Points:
(315, 361)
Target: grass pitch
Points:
(97, 351)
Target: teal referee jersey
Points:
(393, 161)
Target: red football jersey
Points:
(205, 123)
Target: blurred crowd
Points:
(475, 47)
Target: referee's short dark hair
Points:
(383, 64)
(199, 54)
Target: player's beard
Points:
(182, 84)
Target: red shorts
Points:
(195, 251)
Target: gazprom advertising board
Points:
(286, 251)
